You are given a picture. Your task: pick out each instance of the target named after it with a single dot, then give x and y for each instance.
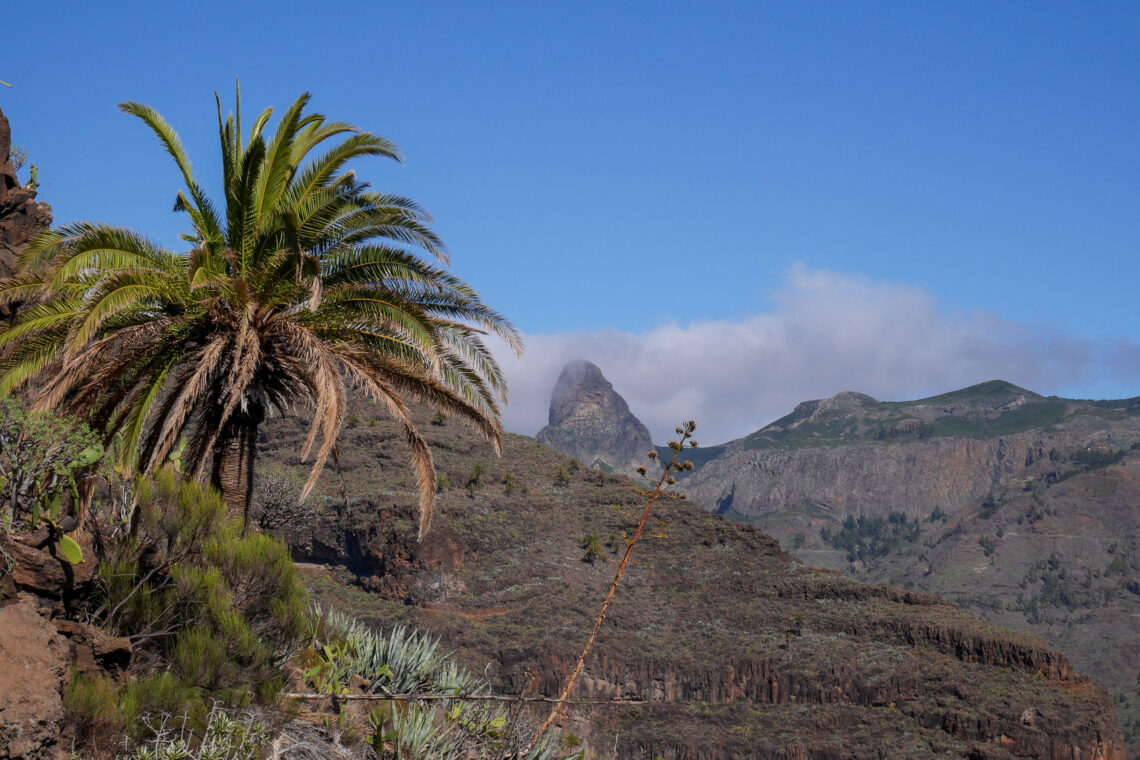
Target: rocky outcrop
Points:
(21, 217)
(872, 477)
(50, 580)
(591, 422)
(385, 560)
(39, 645)
(34, 659)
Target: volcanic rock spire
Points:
(591, 422)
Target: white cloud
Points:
(829, 332)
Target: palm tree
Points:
(304, 284)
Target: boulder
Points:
(32, 678)
(93, 650)
(40, 571)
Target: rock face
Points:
(591, 422)
(21, 217)
(851, 454)
(34, 665)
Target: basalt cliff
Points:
(21, 216)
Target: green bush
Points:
(475, 479)
(591, 548)
(43, 458)
(92, 706)
(221, 609)
(155, 718)
(103, 712)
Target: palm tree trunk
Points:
(234, 457)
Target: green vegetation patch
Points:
(866, 538)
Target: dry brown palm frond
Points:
(243, 368)
(383, 392)
(78, 368)
(331, 398)
(206, 363)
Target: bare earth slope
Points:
(738, 650)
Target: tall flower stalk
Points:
(667, 478)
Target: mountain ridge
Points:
(1003, 500)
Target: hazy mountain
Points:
(591, 422)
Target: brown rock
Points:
(21, 217)
(94, 650)
(38, 571)
(33, 667)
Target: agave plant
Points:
(300, 284)
(411, 664)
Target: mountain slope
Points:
(738, 649)
(999, 499)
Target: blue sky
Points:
(895, 198)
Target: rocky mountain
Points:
(852, 454)
(718, 644)
(591, 422)
(1025, 509)
(21, 217)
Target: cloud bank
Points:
(828, 332)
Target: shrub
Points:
(277, 501)
(42, 457)
(221, 609)
(92, 706)
(439, 419)
(562, 477)
(475, 479)
(103, 712)
(591, 548)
